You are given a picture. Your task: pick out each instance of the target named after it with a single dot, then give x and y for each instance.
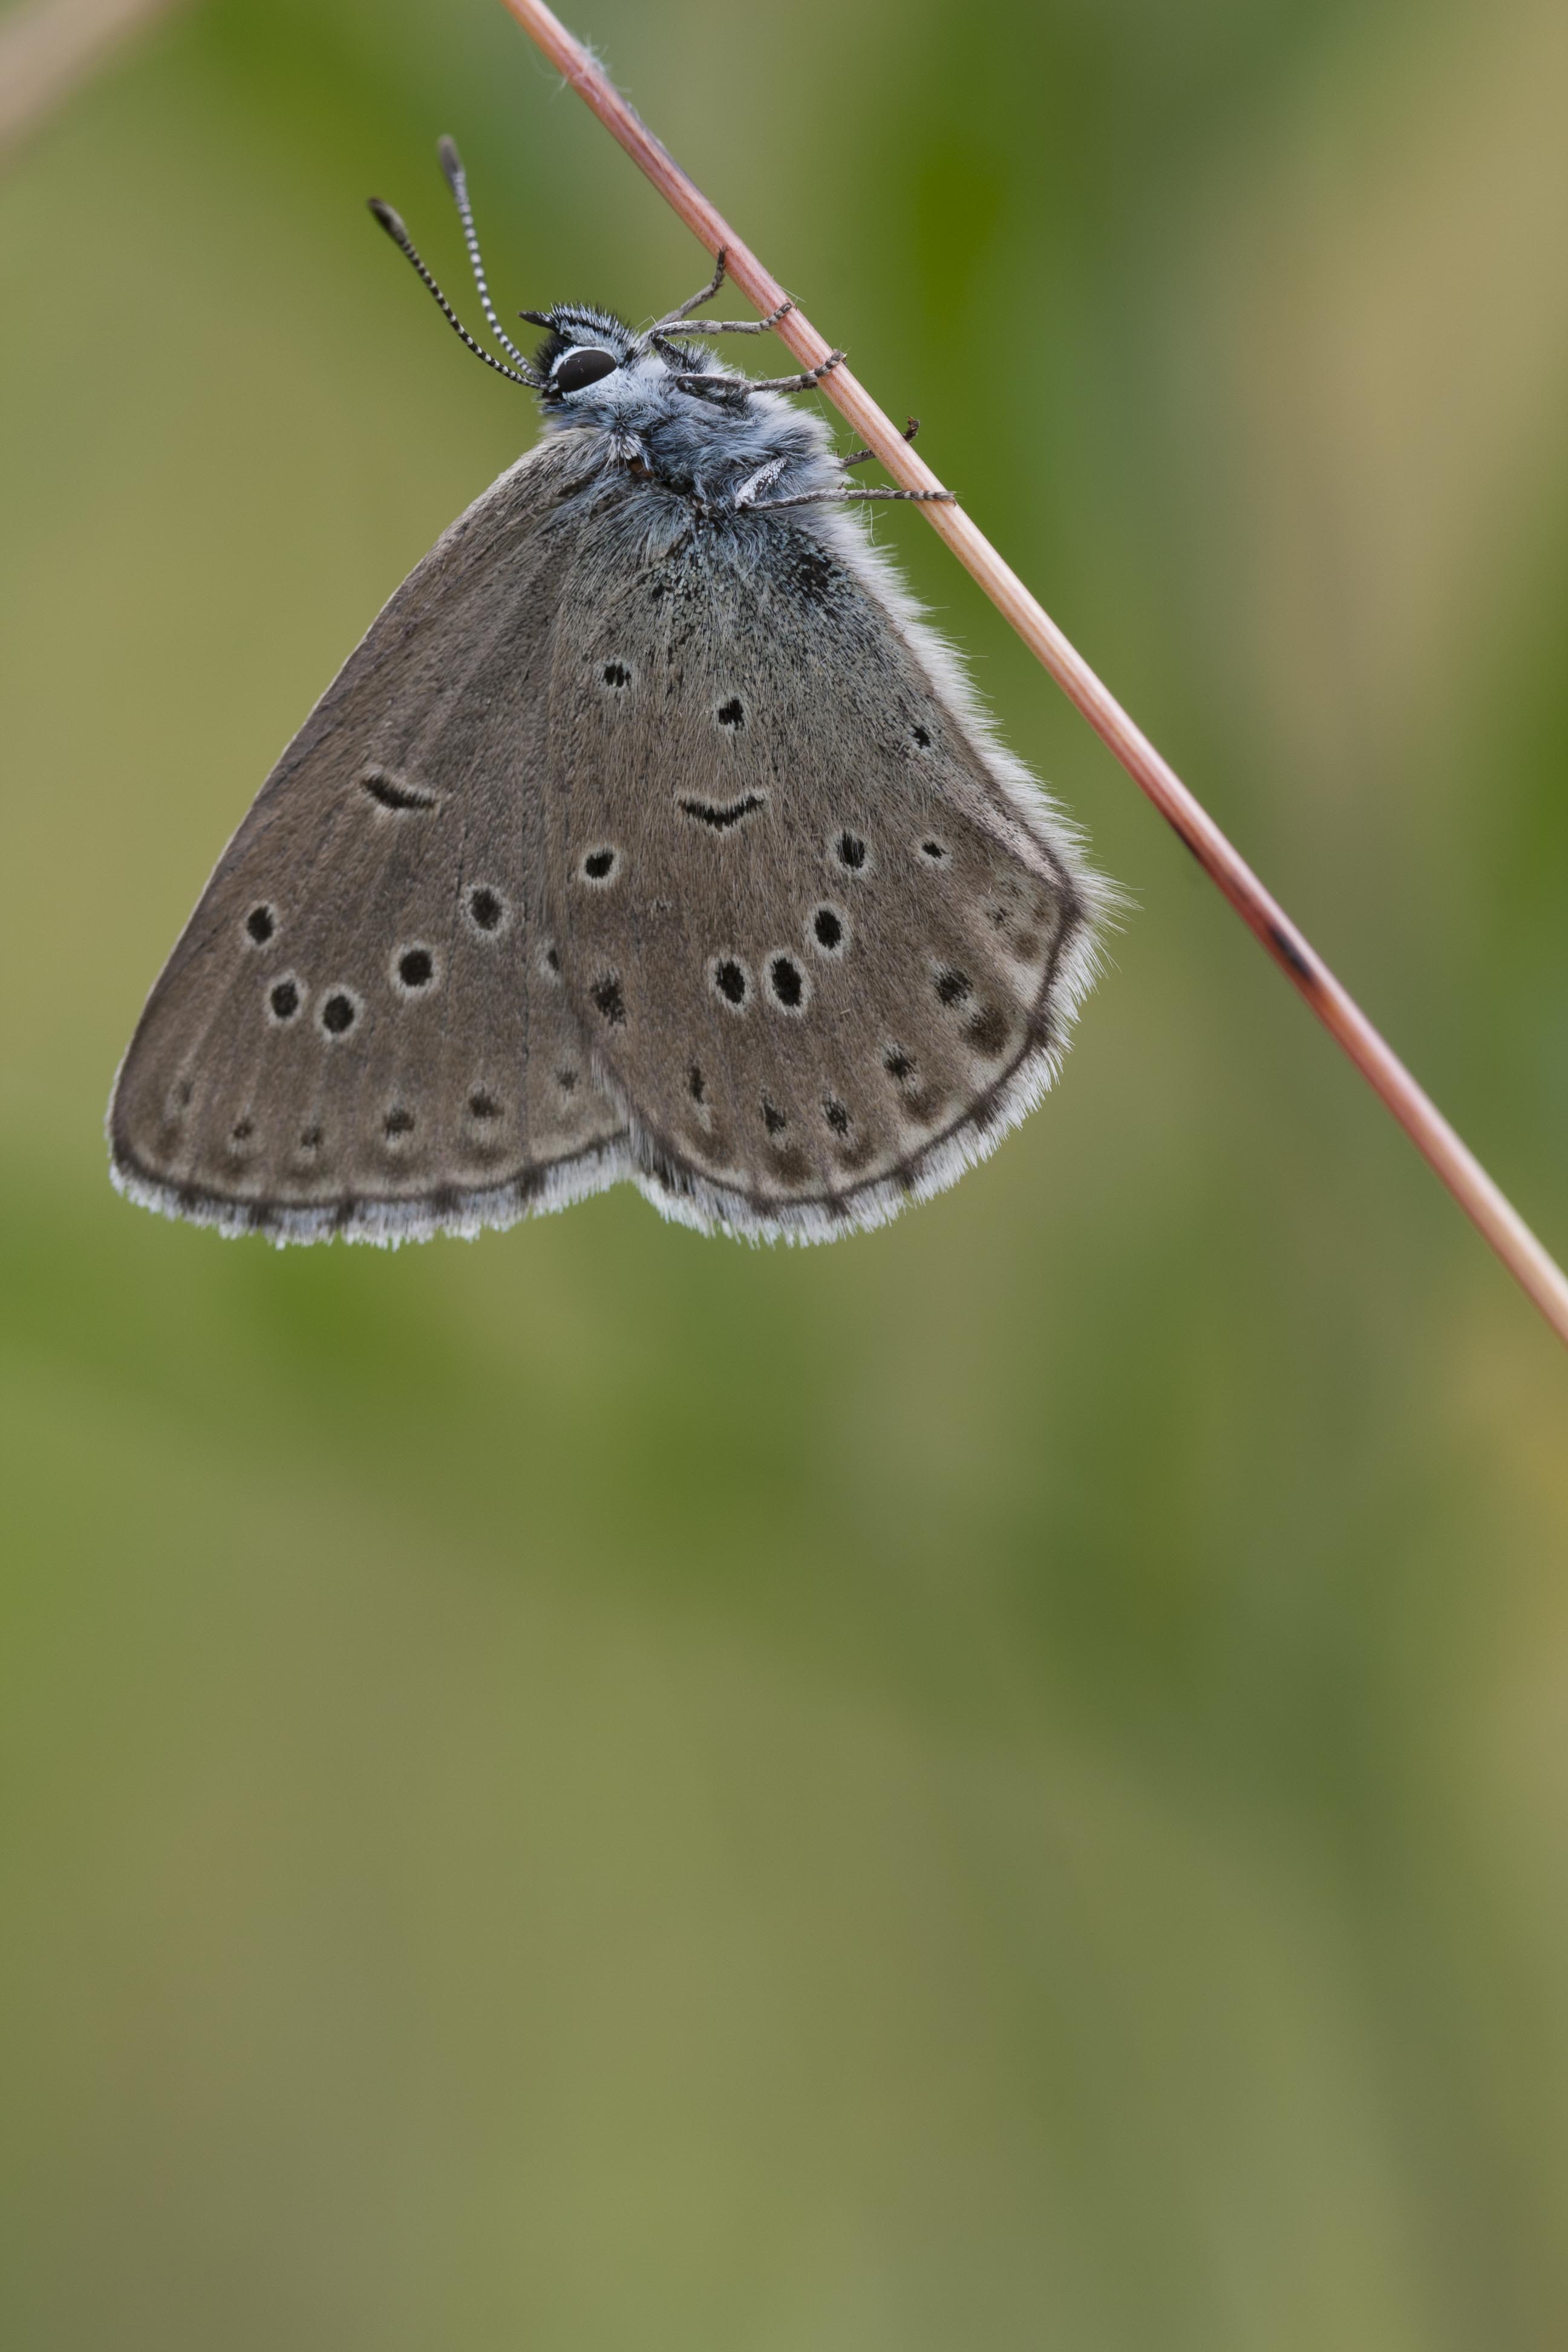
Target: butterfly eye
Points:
(584, 365)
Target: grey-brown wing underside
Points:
(363, 1028)
(825, 939)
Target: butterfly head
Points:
(591, 369)
(670, 410)
(582, 348)
(594, 371)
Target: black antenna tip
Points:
(451, 162)
(390, 222)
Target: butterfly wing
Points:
(364, 1028)
(825, 938)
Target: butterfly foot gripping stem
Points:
(683, 318)
(806, 381)
(860, 457)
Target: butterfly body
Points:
(648, 835)
(704, 441)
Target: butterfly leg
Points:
(847, 493)
(762, 479)
(628, 450)
(682, 317)
(661, 341)
(729, 326)
(859, 456)
(695, 302)
(806, 381)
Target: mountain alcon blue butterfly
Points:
(649, 834)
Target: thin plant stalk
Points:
(1483, 1202)
(49, 46)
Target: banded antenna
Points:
(458, 181)
(393, 224)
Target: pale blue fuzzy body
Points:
(702, 446)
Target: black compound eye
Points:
(584, 365)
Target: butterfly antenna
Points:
(393, 225)
(458, 181)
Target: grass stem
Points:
(1481, 1199)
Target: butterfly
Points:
(650, 835)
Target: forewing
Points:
(825, 939)
(362, 1027)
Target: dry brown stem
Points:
(1481, 1200)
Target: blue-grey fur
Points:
(709, 445)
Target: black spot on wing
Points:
(488, 911)
(990, 1030)
(607, 997)
(787, 984)
(719, 816)
(731, 980)
(339, 1011)
(413, 971)
(396, 794)
(829, 931)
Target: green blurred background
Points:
(1004, 1784)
